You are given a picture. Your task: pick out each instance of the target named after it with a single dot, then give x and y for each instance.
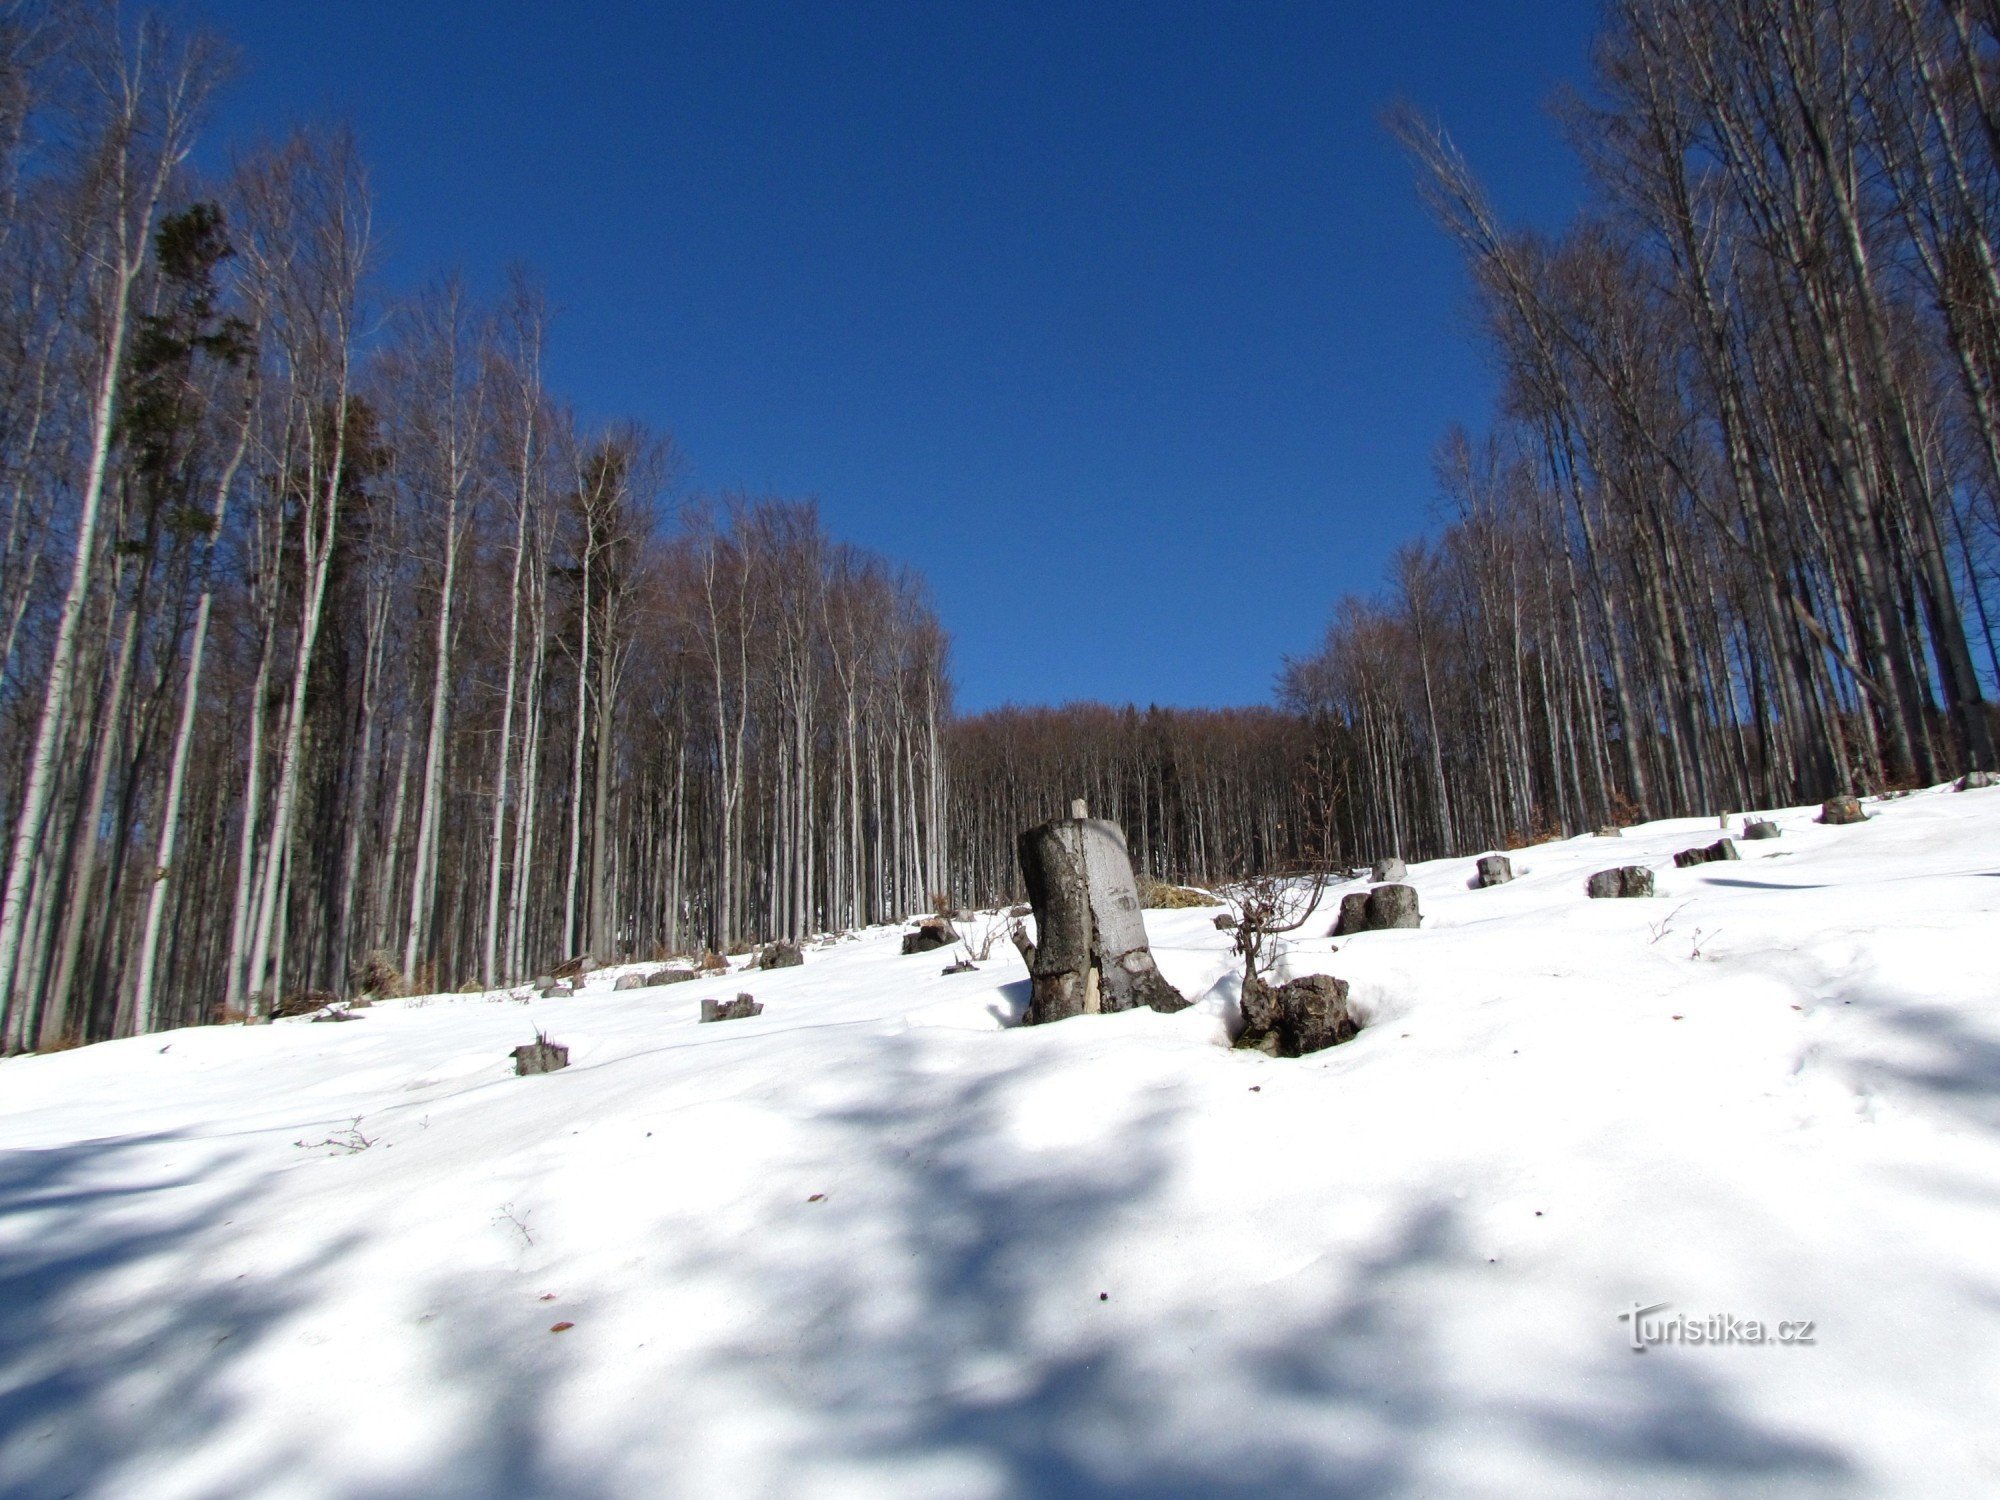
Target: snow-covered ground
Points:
(875, 1244)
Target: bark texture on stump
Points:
(1305, 1015)
(1494, 869)
(1720, 849)
(739, 1009)
(931, 934)
(540, 1057)
(1976, 781)
(1090, 953)
(1353, 916)
(1760, 828)
(1629, 880)
(781, 956)
(1392, 906)
(1842, 810)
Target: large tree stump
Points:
(1090, 953)
(1842, 810)
(1494, 869)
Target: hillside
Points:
(876, 1243)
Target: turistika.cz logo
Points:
(1648, 1331)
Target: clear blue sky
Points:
(1120, 322)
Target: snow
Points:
(875, 1243)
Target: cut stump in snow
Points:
(1975, 781)
(742, 1008)
(1353, 916)
(1393, 906)
(558, 990)
(1759, 828)
(669, 976)
(1494, 869)
(629, 982)
(1627, 880)
(1721, 849)
(540, 1056)
(1390, 869)
(1292, 1019)
(781, 956)
(931, 934)
(1839, 810)
(1090, 953)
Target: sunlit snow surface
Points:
(1109, 1257)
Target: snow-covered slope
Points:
(875, 1243)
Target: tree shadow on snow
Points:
(119, 1334)
(916, 1344)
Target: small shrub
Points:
(377, 975)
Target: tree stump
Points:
(629, 982)
(1759, 828)
(1305, 1015)
(1353, 916)
(1975, 781)
(559, 989)
(1390, 869)
(1494, 869)
(932, 933)
(573, 968)
(1393, 906)
(1090, 953)
(742, 1008)
(1721, 849)
(1842, 810)
(1627, 880)
(540, 1056)
(781, 956)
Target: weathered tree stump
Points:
(1353, 916)
(1975, 781)
(574, 968)
(1225, 921)
(742, 1008)
(540, 1056)
(1390, 869)
(1721, 849)
(931, 934)
(629, 982)
(560, 989)
(1494, 869)
(781, 956)
(1393, 906)
(1627, 880)
(1305, 1015)
(1090, 953)
(1759, 828)
(1842, 810)
(669, 976)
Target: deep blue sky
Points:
(1121, 323)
